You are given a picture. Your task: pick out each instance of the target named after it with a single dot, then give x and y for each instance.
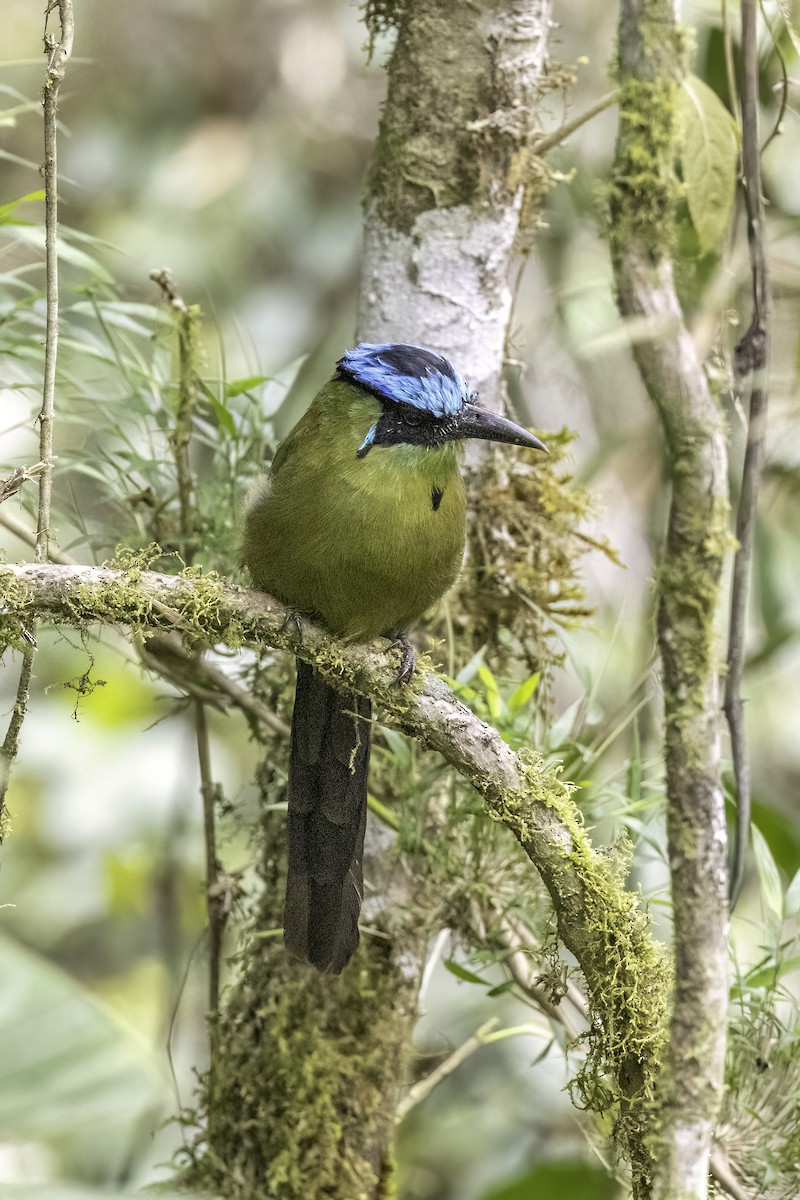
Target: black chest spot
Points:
(436, 498)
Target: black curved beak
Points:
(477, 422)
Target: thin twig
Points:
(518, 964)
(186, 322)
(166, 654)
(216, 889)
(751, 359)
(542, 144)
(8, 751)
(59, 53)
(420, 1091)
(180, 440)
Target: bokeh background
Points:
(228, 140)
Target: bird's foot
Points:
(294, 618)
(408, 659)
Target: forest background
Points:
(229, 142)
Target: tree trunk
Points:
(643, 221)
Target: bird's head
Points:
(425, 401)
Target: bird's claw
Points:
(293, 618)
(408, 660)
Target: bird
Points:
(360, 524)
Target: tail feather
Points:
(328, 766)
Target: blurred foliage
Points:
(230, 139)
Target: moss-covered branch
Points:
(598, 920)
(642, 206)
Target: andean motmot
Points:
(361, 524)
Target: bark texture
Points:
(642, 208)
(453, 162)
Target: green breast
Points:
(367, 544)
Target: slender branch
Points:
(751, 359)
(59, 53)
(541, 145)
(216, 890)
(643, 214)
(10, 747)
(420, 1091)
(180, 439)
(519, 966)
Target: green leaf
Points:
(463, 973)
(524, 692)
(68, 1068)
(468, 672)
(501, 988)
(494, 700)
(222, 414)
(562, 729)
(238, 386)
(768, 873)
(709, 156)
(792, 901)
(767, 977)
(7, 210)
(633, 786)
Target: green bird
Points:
(360, 524)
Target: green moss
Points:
(644, 188)
(688, 587)
(300, 1098)
(521, 580)
(456, 127)
(626, 970)
(16, 600)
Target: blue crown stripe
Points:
(406, 374)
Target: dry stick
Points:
(59, 53)
(751, 358)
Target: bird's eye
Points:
(412, 417)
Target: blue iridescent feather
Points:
(405, 374)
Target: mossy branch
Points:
(642, 209)
(600, 922)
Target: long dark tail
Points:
(328, 767)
